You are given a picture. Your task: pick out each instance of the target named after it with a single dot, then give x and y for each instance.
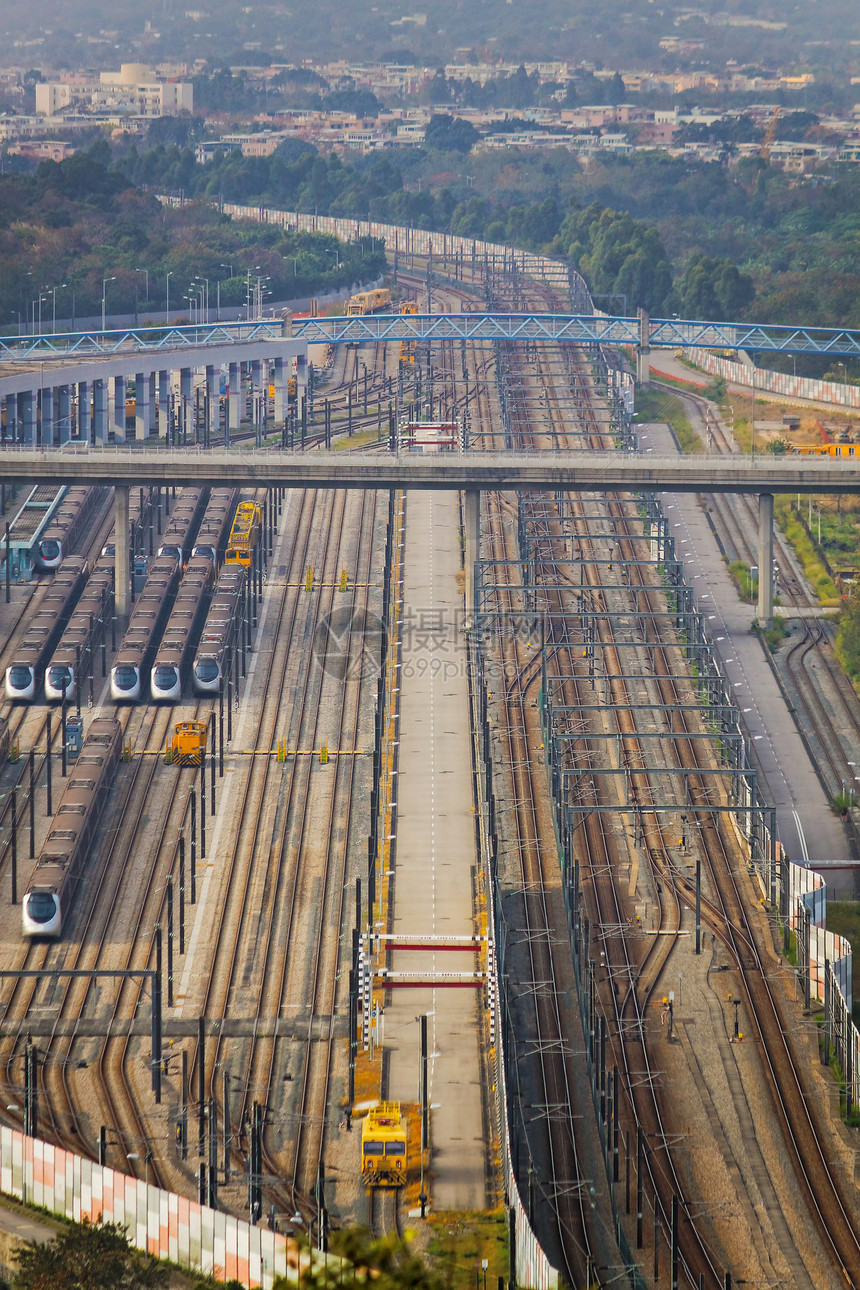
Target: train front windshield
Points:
(58, 676)
(165, 678)
(41, 906)
(125, 678)
(49, 549)
(206, 670)
(20, 677)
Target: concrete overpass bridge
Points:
(580, 471)
(473, 473)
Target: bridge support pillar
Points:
(49, 416)
(259, 396)
(643, 351)
(100, 410)
(280, 382)
(85, 413)
(27, 408)
(213, 402)
(164, 405)
(187, 415)
(64, 412)
(10, 431)
(234, 402)
(121, 560)
(302, 383)
(765, 560)
(472, 545)
(118, 414)
(142, 406)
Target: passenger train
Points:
(25, 672)
(67, 522)
(178, 537)
(174, 654)
(74, 655)
(137, 650)
(220, 631)
(215, 525)
(60, 863)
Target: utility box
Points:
(74, 735)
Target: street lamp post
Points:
(336, 253)
(53, 291)
(105, 281)
(167, 297)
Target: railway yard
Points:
(615, 1030)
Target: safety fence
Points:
(160, 1222)
(759, 378)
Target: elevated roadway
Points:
(573, 471)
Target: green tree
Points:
(391, 1265)
(87, 1256)
(712, 288)
(450, 133)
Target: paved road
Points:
(669, 364)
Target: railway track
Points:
(645, 977)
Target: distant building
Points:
(43, 150)
(132, 91)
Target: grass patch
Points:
(656, 404)
(461, 1240)
(344, 441)
(746, 583)
(843, 918)
(775, 635)
(806, 552)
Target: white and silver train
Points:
(215, 526)
(67, 522)
(55, 877)
(178, 538)
(84, 631)
(25, 672)
(181, 634)
(220, 632)
(137, 650)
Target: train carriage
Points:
(58, 868)
(174, 654)
(135, 654)
(220, 631)
(67, 523)
(26, 670)
(216, 524)
(86, 627)
(178, 537)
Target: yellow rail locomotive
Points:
(244, 534)
(369, 302)
(383, 1147)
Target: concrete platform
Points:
(435, 859)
